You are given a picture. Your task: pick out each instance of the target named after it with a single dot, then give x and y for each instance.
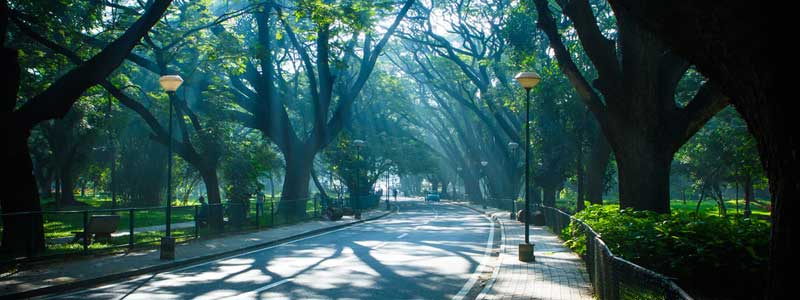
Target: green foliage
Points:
(698, 250)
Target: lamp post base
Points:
(526, 253)
(168, 248)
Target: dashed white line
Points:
(402, 235)
(261, 289)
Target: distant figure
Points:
(202, 214)
(394, 192)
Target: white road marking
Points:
(402, 235)
(261, 289)
(486, 256)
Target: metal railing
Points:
(614, 277)
(144, 226)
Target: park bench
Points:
(99, 226)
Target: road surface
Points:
(425, 251)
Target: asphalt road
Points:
(425, 251)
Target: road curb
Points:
(178, 263)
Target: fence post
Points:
(32, 244)
(272, 212)
(258, 214)
(86, 235)
(131, 225)
(196, 221)
(315, 207)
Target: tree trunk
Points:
(748, 196)
(22, 234)
(319, 185)
(211, 181)
(67, 186)
(295, 185)
(596, 167)
(644, 167)
(549, 197)
(472, 189)
(579, 201)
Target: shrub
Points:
(707, 255)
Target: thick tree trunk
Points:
(472, 189)
(22, 234)
(67, 186)
(295, 186)
(644, 167)
(211, 181)
(579, 201)
(599, 157)
(748, 196)
(549, 195)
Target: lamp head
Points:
(513, 145)
(484, 163)
(359, 143)
(170, 83)
(528, 80)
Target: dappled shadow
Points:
(439, 249)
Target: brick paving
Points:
(557, 274)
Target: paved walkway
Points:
(557, 274)
(94, 268)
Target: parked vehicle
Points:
(432, 197)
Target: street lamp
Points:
(170, 84)
(483, 197)
(513, 146)
(388, 162)
(359, 144)
(459, 169)
(527, 80)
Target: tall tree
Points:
(633, 98)
(728, 43)
(25, 232)
(259, 89)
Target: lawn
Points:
(759, 208)
(60, 223)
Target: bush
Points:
(708, 255)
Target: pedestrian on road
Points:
(394, 192)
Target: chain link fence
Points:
(614, 277)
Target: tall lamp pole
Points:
(170, 84)
(356, 211)
(484, 164)
(527, 80)
(513, 146)
(388, 162)
(459, 169)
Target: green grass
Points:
(61, 224)
(760, 209)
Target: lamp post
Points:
(388, 162)
(483, 170)
(527, 80)
(170, 84)
(356, 210)
(459, 169)
(513, 146)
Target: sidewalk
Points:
(48, 278)
(557, 273)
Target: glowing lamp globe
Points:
(528, 80)
(170, 83)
